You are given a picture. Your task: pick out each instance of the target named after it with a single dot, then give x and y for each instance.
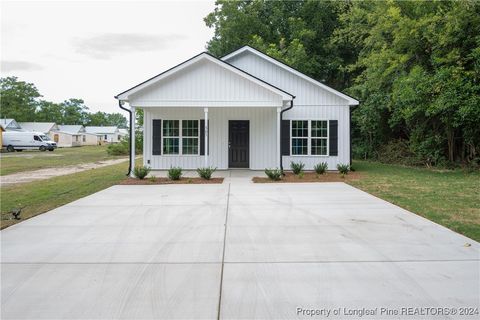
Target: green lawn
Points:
(33, 160)
(41, 196)
(449, 198)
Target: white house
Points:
(85, 139)
(10, 125)
(64, 139)
(245, 110)
(122, 133)
(107, 134)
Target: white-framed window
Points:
(309, 138)
(190, 137)
(181, 137)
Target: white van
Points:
(21, 140)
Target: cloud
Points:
(104, 46)
(11, 65)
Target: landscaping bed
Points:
(161, 180)
(311, 177)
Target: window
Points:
(299, 137)
(190, 134)
(319, 135)
(106, 137)
(171, 137)
(36, 138)
(309, 137)
(181, 137)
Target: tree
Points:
(18, 99)
(74, 111)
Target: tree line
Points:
(414, 66)
(22, 101)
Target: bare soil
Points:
(161, 180)
(311, 177)
(42, 174)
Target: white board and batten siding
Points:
(311, 103)
(262, 138)
(205, 84)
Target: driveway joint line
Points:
(223, 255)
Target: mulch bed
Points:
(148, 181)
(311, 177)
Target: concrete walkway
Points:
(235, 251)
(42, 174)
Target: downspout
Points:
(352, 108)
(129, 136)
(281, 133)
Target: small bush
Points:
(174, 173)
(118, 149)
(141, 172)
(301, 175)
(152, 179)
(206, 173)
(274, 174)
(343, 168)
(320, 168)
(297, 167)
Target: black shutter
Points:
(157, 137)
(285, 138)
(333, 138)
(202, 137)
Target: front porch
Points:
(220, 137)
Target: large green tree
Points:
(18, 99)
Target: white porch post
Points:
(279, 152)
(132, 138)
(205, 110)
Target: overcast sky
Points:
(95, 50)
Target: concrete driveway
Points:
(288, 250)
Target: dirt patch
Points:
(42, 174)
(150, 181)
(311, 177)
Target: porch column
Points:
(279, 152)
(132, 146)
(205, 110)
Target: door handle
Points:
(229, 144)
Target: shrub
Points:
(206, 173)
(321, 168)
(141, 172)
(274, 174)
(174, 173)
(301, 175)
(343, 168)
(123, 147)
(297, 167)
(153, 179)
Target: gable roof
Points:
(204, 55)
(38, 126)
(351, 101)
(101, 130)
(9, 124)
(71, 128)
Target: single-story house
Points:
(86, 139)
(107, 134)
(63, 139)
(10, 125)
(244, 110)
(44, 127)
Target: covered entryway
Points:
(238, 143)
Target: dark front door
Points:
(238, 143)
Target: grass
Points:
(449, 198)
(34, 160)
(40, 196)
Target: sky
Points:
(94, 50)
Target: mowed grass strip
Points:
(449, 198)
(40, 196)
(33, 160)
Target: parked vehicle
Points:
(21, 140)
